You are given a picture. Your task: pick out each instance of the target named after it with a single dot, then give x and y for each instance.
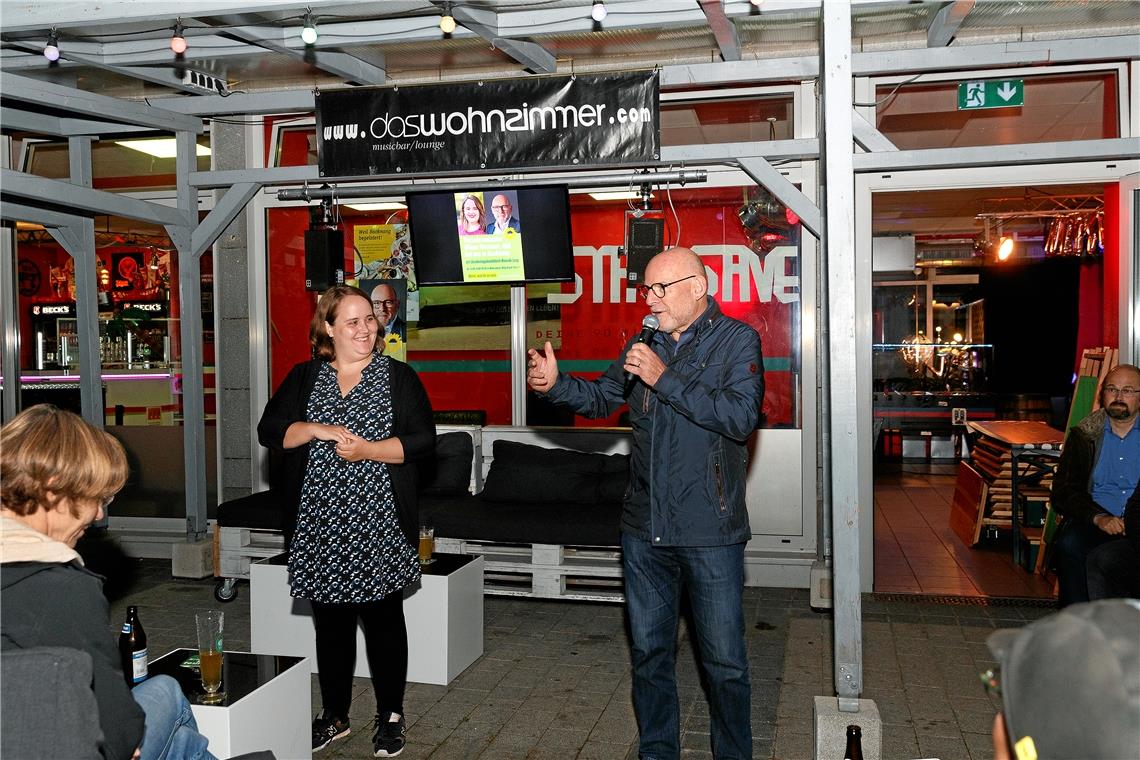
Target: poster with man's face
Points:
(389, 297)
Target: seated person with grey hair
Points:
(1069, 684)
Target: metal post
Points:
(518, 355)
(190, 323)
(81, 246)
(9, 313)
(841, 275)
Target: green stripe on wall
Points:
(771, 364)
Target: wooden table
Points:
(1020, 433)
(1031, 443)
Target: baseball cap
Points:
(1070, 682)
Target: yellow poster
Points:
(372, 245)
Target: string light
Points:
(178, 42)
(51, 49)
(447, 21)
(309, 30)
(598, 12)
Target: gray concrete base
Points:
(192, 560)
(831, 728)
(820, 586)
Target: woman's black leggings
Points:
(385, 643)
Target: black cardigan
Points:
(413, 424)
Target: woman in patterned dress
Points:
(351, 423)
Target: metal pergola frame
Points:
(843, 379)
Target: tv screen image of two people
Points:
(505, 235)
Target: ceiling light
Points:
(618, 195)
(159, 147)
(178, 42)
(380, 206)
(309, 30)
(51, 49)
(757, 3)
(598, 12)
(1005, 248)
(447, 21)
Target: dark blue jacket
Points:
(690, 431)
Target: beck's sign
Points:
(549, 121)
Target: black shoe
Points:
(389, 741)
(327, 730)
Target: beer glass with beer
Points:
(210, 630)
(427, 543)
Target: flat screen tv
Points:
(491, 236)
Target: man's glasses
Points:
(658, 288)
(499, 208)
(385, 304)
(1126, 392)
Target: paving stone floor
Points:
(554, 679)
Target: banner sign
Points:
(548, 121)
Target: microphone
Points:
(649, 326)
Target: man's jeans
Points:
(171, 732)
(1075, 541)
(1114, 570)
(714, 578)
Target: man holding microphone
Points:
(694, 391)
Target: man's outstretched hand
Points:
(541, 369)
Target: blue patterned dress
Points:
(348, 546)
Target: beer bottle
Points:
(132, 648)
(854, 749)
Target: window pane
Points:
(599, 312)
(113, 167)
(457, 337)
(756, 119)
(140, 354)
(1057, 108)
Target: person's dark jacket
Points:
(412, 423)
(48, 599)
(512, 224)
(1071, 493)
(1132, 520)
(689, 462)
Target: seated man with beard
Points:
(1098, 471)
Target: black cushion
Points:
(478, 518)
(449, 472)
(535, 475)
(258, 510)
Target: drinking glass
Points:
(210, 633)
(427, 544)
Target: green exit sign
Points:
(991, 93)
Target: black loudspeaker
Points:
(324, 258)
(644, 239)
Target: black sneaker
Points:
(389, 741)
(327, 730)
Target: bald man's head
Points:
(385, 303)
(501, 208)
(675, 288)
